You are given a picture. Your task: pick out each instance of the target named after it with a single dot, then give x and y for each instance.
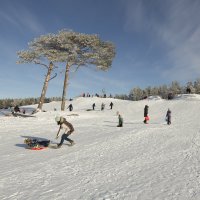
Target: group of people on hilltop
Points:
(70, 107)
(96, 95)
(86, 95)
(102, 106)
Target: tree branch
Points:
(38, 63)
(53, 76)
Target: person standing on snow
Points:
(70, 107)
(68, 130)
(102, 106)
(146, 117)
(168, 116)
(111, 105)
(120, 124)
(93, 106)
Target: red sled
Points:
(147, 118)
(38, 148)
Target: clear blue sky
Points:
(157, 41)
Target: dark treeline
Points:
(164, 91)
(7, 103)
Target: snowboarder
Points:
(70, 107)
(120, 121)
(68, 130)
(93, 106)
(111, 105)
(102, 106)
(168, 116)
(146, 117)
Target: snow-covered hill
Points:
(137, 161)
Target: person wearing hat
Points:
(68, 130)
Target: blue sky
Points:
(157, 42)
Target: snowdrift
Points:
(152, 161)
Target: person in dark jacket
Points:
(102, 106)
(70, 107)
(146, 117)
(93, 106)
(111, 105)
(168, 116)
(68, 130)
(16, 108)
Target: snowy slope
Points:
(135, 162)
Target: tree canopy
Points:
(72, 48)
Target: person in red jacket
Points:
(68, 130)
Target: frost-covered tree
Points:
(163, 91)
(175, 87)
(78, 49)
(38, 55)
(191, 87)
(74, 49)
(136, 94)
(148, 91)
(197, 86)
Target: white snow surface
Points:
(139, 161)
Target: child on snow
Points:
(68, 130)
(102, 106)
(93, 106)
(120, 124)
(168, 116)
(111, 105)
(146, 117)
(70, 107)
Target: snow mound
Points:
(136, 161)
(154, 98)
(189, 97)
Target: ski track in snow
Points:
(135, 162)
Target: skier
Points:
(70, 107)
(120, 121)
(111, 105)
(93, 106)
(168, 116)
(146, 117)
(68, 130)
(102, 106)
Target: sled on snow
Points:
(16, 114)
(35, 144)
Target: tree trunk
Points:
(65, 87)
(45, 86)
